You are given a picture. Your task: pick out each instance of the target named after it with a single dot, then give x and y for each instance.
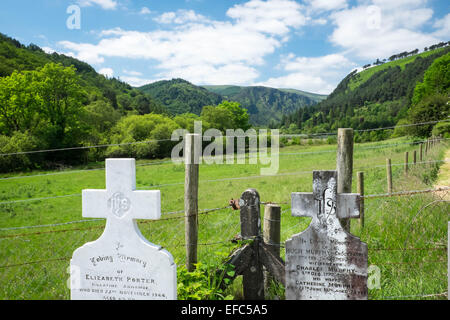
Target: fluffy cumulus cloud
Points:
(314, 74)
(108, 72)
(326, 5)
(380, 28)
(199, 49)
(235, 50)
(105, 4)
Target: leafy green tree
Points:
(62, 99)
(435, 80)
(19, 103)
(431, 108)
(218, 118)
(240, 117)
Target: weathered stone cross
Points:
(325, 261)
(122, 263)
(324, 205)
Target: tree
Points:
(19, 103)
(240, 116)
(62, 99)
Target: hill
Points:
(180, 96)
(379, 96)
(15, 56)
(266, 105)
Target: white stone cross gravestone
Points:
(122, 264)
(325, 262)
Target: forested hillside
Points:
(58, 103)
(266, 106)
(381, 96)
(180, 96)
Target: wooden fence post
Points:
(191, 199)
(389, 175)
(406, 162)
(253, 277)
(360, 190)
(272, 234)
(415, 157)
(421, 152)
(344, 166)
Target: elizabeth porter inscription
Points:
(122, 264)
(325, 261)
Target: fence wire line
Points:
(205, 211)
(165, 140)
(200, 212)
(167, 162)
(416, 296)
(224, 179)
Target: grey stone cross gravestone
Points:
(122, 264)
(325, 262)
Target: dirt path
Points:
(444, 177)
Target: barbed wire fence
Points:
(34, 259)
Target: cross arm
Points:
(94, 203)
(302, 204)
(348, 205)
(146, 204)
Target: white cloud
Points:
(105, 4)
(48, 50)
(313, 74)
(272, 17)
(132, 73)
(443, 28)
(199, 49)
(137, 81)
(145, 10)
(326, 5)
(108, 72)
(382, 28)
(180, 17)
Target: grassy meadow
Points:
(34, 260)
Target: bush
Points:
(204, 283)
(18, 142)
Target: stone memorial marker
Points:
(122, 264)
(325, 262)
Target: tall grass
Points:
(34, 261)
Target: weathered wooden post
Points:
(406, 162)
(253, 277)
(192, 159)
(421, 152)
(360, 190)
(415, 157)
(389, 175)
(344, 165)
(272, 234)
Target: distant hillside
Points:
(15, 56)
(180, 96)
(376, 97)
(267, 105)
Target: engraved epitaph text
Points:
(325, 261)
(122, 264)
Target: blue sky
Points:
(308, 45)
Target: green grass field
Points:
(34, 261)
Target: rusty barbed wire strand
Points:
(201, 212)
(416, 296)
